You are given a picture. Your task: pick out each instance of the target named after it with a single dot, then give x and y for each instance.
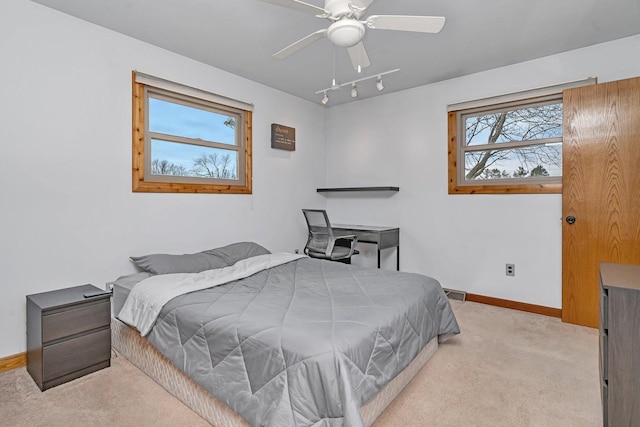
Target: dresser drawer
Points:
(73, 321)
(72, 355)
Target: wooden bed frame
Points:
(128, 342)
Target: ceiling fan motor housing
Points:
(346, 32)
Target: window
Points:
(508, 145)
(189, 141)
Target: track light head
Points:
(354, 91)
(325, 99)
(379, 84)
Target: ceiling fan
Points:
(347, 30)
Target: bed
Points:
(244, 336)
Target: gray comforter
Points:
(305, 343)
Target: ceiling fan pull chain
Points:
(333, 66)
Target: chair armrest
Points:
(346, 236)
(352, 238)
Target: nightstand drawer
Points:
(66, 323)
(68, 356)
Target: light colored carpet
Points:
(507, 368)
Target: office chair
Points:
(322, 243)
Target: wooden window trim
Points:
(455, 188)
(138, 149)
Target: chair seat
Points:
(339, 252)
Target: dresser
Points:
(68, 334)
(620, 344)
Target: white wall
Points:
(69, 217)
(462, 240)
(68, 214)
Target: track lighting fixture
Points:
(354, 89)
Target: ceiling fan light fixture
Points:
(354, 91)
(325, 99)
(346, 32)
(379, 84)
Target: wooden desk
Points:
(383, 237)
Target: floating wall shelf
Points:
(354, 189)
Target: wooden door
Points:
(601, 190)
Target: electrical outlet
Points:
(510, 269)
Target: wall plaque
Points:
(283, 137)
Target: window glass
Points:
(522, 124)
(174, 118)
(514, 142)
(177, 159)
(535, 161)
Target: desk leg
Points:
(397, 258)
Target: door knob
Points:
(570, 219)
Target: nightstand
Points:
(68, 335)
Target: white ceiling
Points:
(240, 36)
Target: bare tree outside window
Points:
(514, 143)
(214, 166)
(164, 167)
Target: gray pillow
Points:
(187, 263)
(236, 251)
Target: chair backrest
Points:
(320, 233)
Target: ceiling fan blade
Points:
(423, 24)
(359, 57)
(299, 6)
(306, 41)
